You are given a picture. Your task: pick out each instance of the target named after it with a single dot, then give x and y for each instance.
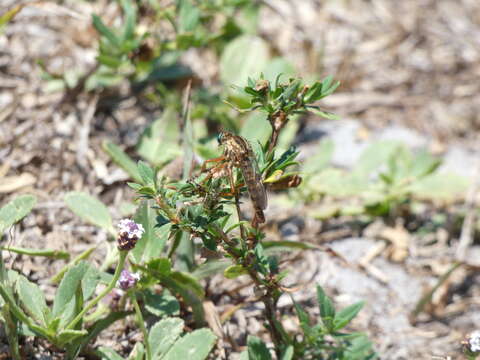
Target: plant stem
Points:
(91, 304)
(277, 120)
(239, 216)
(11, 332)
(275, 326)
(58, 277)
(270, 314)
(141, 324)
(17, 311)
(56, 254)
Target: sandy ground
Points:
(408, 69)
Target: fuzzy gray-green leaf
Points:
(15, 210)
(163, 335)
(193, 346)
(90, 210)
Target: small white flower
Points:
(474, 341)
(130, 228)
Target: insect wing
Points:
(254, 183)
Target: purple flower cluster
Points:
(127, 280)
(128, 234)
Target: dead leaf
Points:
(400, 240)
(12, 183)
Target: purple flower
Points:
(131, 228)
(127, 280)
(128, 234)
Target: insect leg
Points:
(204, 165)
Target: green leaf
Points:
(257, 350)
(243, 57)
(54, 325)
(188, 16)
(16, 210)
(374, 156)
(147, 190)
(68, 288)
(193, 346)
(138, 352)
(163, 304)
(274, 177)
(159, 142)
(327, 211)
(56, 279)
(154, 238)
(33, 300)
(90, 281)
(168, 73)
(184, 250)
(66, 336)
(90, 210)
(8, 16)
(288, 353)
(122, 160)
(160, 267)
(312, 93)
(324, 114)
(346, 315)
(135, 187)
(360, 349)
(234, 271)
(187, 144)
(163, 335)
(303, 318)
(105, 31)
(190, 290)
(110, 61)
(440, 187)
(246, 17)
(337, 182)
(100, 325)
(130, 19)
(147, 173)
(327, 311)
(108, 354)
(189, 282)
(210, 268)
(423, 164)
(327, 86)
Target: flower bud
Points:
(128, 234)
(127, 280)
(262, 85)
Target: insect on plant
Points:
(237, 153)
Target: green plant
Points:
(323, 340)
(386, 181)
(207, 207)
(159, 248)
(68, 324)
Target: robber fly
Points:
(237, 153)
